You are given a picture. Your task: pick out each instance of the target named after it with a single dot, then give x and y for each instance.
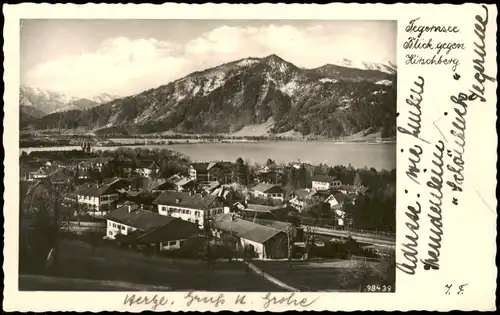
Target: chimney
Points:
(129, 209)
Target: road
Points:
(383, 241)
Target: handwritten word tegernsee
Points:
(480, 50)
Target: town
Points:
(269, 220)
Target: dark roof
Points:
(323, 178)
(138, 218)
(304, 193)
(282, 213)
(278, 225)
(200, 166)
(144, 198)
(244, 229)
(61, 174)
(340, 197)
(183, 181)
(268, 188)
(224, 164)
(185, 199)
(96, 191)
(167, 185)
(174, 178)
(259, 208)
(252, 214)
(211, 185)
(177, 229)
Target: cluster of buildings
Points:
(173, 210)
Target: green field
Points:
(79, 261)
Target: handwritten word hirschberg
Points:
(216, 300)
(414, 101)
(154, 301)
(436, 184)
(409, 249)
(480, 76)
(289, 300)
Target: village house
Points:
(133, 226)
(142, 168)
(178, 183)
(323, 182)
(143, 199)
(353, 190)
(100, 199)
(286, 227)
(277, 213)
(301, 197)
(210, 187)
(194, 208)
(204, 172)
(265, 241)
(36, 175)
(92, 164)
(267, 190)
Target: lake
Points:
(379, 156)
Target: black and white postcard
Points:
(249, 157)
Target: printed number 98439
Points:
(378, 288)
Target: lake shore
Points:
(359, 155)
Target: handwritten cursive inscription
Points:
(420, 29)
(409, 249)
(155, 301)
(216, 300)
(436, 185)
(458, 132)
(415, 119)
(413, 169)
(270, 299)
(477, 90)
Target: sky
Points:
(85, 58)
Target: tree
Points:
(357, 180)
(292, 177)
(241, 172)
(302, 177)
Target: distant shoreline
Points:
(32, 139)
(174, 141)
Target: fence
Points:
(327, 223)
(361, 237)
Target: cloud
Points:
(126, 66)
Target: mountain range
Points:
(35, 103)
(330, 101)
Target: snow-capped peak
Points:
(247, 62)
(384, 82)
(387, 67)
